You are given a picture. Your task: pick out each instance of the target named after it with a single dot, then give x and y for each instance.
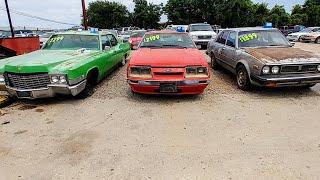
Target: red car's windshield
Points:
(167, 40)
(136, 34)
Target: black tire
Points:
(91, 83)
(243, 80)
(214, 63)
(317, 40)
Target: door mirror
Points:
(107, 48)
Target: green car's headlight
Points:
(58, 79)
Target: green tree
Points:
(312, 9)
(278, 16)
(146, 15)
(105, 14)
(298, 16)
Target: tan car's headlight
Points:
(197, 72)
(140, 72)
(275, 70)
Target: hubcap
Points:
(123, 61)
(241, 78)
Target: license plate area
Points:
(24, 94)
(168, 87)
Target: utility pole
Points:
(84, 13)
(9, 18)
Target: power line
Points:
(36, 17)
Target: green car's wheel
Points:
(92, 80)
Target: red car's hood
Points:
(136, 39)
(168, 57)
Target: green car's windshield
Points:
(262, 38)
(73, 42)
(167, 40)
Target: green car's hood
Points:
(43, 60)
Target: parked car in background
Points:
(201, 34)
(286, 30)
(23, 33)
(182, 28)
(136, 37)
(263, 57)
(125, 36)
(44, 37)
(168, 62)
(311, 37)
(297, 36)
(70, 63)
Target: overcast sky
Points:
(69, 10)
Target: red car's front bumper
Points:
(182, 87)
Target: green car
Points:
(70, 63)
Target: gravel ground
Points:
(223, 134)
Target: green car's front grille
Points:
(27, 81)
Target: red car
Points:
(136, 38)
(168, 63)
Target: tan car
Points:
(311, 37)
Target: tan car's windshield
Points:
(261, 38)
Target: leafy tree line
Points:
(238, 13)
(105, 14)
(227, 13)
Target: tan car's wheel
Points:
(317, 40)
(243, 80)
(214, 63)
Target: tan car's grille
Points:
(27, 81)
(299, 69)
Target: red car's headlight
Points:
(197, 72)
(140, 72)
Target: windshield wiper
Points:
(151, 46)
(173, 45)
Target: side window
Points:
(231, 41)
(112, 39)
(223, 37)
(105, 41)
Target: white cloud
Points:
(65, 10)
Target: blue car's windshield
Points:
(73, 42)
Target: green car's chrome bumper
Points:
(50, 91)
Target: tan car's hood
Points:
(282, 55)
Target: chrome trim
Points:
(292, 78)
(50, 91)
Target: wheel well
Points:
(93, 76)
(239, 64)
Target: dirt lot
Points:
(223, 134)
